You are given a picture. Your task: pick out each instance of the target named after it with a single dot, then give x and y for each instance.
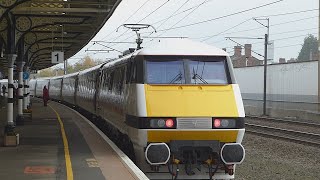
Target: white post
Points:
(25, 103)
(20, 86)
(28, 93)
(11, 59)
(25, 90)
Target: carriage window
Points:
(118, 80)
(110, 80)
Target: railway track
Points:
(286, 134)
(278, 120)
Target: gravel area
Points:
(270, 159)
(290, 126)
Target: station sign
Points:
(57, 57)
(26, 75)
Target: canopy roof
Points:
(32, 29)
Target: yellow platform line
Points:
(66, 147)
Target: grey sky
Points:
(287, 48)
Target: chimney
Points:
(225, 49)
(247, 50)
(237, 51)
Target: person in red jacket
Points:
(45, 95)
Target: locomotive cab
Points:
(193, 115)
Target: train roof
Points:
(184, 47)
(90, 69)
(43, 79)
(70, 75)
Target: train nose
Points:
(157, 153)
(232, 153)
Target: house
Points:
(247, 59)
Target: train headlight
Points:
(217, 123)
(169, 123)
(224, 123)
(162, 123)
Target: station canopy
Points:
(40, 27)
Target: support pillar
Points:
(28, 94)
(9, 129)
(26, 100)
(20, 93)
(25, 95)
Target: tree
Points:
(85, 63)
(310, 45)
(46, 72)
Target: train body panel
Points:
(191, 101)
(55, 88)
(87, 89)
(136, 102)
(69, 88)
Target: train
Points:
(174, 108)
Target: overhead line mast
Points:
(319, 61)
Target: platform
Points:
(59, 144)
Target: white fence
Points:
(291, 82)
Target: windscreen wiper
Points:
(196, 76)
(178, 77)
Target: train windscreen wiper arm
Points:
(196, 76)
(178, 77)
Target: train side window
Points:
(110, 83)
(128, 72)
(122, 78)
(118, 80)
(133, 75)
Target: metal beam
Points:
(73, 2)
(61, 10)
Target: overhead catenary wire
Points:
(285, 38)
(221, 17)
(280, 39)
(188, 14)
(209, 37)
(180, 12)
(183, 17)
(287, 13)
(127, 19)
(192, 8)
(173, 13)
(251, 29)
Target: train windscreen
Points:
(185, 70)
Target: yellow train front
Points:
(184, 111)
